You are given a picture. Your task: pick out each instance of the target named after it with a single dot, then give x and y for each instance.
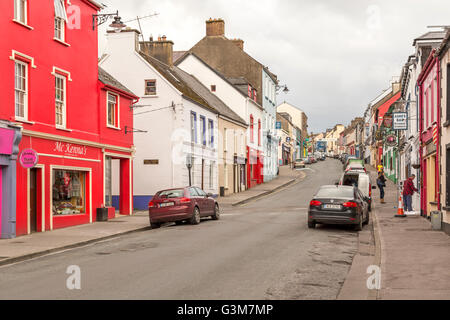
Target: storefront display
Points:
(69, 192)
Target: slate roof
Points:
(431, 35)
(177, 55)
(192, 89)
(108, 79)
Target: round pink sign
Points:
(28, 158)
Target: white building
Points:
(179, 126)
(270, 139)
(233, 92)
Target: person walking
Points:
(408, 191)
(381, 182)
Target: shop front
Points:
(10, 136)
(239, 174)
(66, 185)
(286, 155)
(254, 167)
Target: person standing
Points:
(408, 191)
(380, 166)
(381, 182)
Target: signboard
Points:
(278, 125)
(6, 141)
(387, 121)
(288, 139)
(321, 146)
(400, 121)
(391, 140)
(28, 158)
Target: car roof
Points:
(336, 186)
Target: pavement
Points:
(43, 243)
(412, 257)
(286, 177)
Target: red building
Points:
(73, 117)
(429, 126)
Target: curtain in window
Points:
(60, 10)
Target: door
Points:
(33, 200)
(203, 202)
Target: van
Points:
(362, 181)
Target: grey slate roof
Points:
(108, 79)
(432, 35)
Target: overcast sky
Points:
(334, 55)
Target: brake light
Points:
(370, 190)
(315, 203)
(185, 200)
(350, 204)
(151, 204)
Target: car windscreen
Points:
(350, 180)
(177, 193)
(335, 192)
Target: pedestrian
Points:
(381, 182)
(380, 166)
(408, 191)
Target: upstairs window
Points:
(251, 129)
(211, 133)
(193, 127)
(60, 20)
(203, 129)
(213, 88)
(60, 101)
(20, 11)
(113, 110)
(150, 87)
(21, 90)
(259, 132)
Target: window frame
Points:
(213, 88)
(116, 110)
(203, 129)
(251, 129)
(25, 11)
(145, 88)
(193, 127)
(211, 132)
(64, 101)
(259, 132)
(62, 34)
(25, 92)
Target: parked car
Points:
(306, 160)
(338, 205)
(313, 159)
(361, 180)
(355, 166)
(346, 162)
(182, 204)
(299, 163)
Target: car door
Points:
(195, 198)
(364, 204)
(203, 203)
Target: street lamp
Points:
(99, 19)
(189, 166)
(284, 87)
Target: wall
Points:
(445, 141)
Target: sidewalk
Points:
(38, 244)
(414, 259)
(286, 177)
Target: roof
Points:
(109, 80)
(430, 36)
(208, 96)
(177, 55)
(444, 45)
(169, 73)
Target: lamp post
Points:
(189, 166)
(284, 87)
(99, 19)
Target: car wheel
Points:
(195, 219)
(155, 225)
(311, 224)
(359, 226)
(216, 215)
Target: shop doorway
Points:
(33, 200)
(118, 188)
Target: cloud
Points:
(335, 56)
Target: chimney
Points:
(215, 27)
(162, 49)
(239, 43)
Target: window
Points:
(251, 128)
(113, 110)
(20, 11)
(203, 129)
(211, 133)
(193, 127)
(150, 87)
(259, 132)
(68, 192)
(213, 88)
(60, 101)
(60, 20)
(211, 174)
(21, 89)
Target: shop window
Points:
(113, 110)
(150, 87)
(69, 192)
(60, 101)
(21, 90)
(20, 11)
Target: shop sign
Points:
(28, 158)
(278, 125)
(70, 148)
(400, 121)
(391, 140)
(6, 141)
(387, 121)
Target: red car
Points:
(178, 205)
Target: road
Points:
(262, 250)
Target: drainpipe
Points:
(438, 146)
(420, 114)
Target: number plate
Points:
(332, 206)
(166, 204)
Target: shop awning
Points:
(385, 107)
(60, 10)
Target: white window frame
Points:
(62, 34)
(117, 110)
(64, 102)
(25, 92)
(145, 88)
(17, 5)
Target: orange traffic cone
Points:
(400, 213)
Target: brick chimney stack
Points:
(162, 49)
(215, 27)
(239, 43)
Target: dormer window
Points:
(60, 20)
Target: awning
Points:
(60, 10)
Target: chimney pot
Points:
(215, 27)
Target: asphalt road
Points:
(262, 250)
